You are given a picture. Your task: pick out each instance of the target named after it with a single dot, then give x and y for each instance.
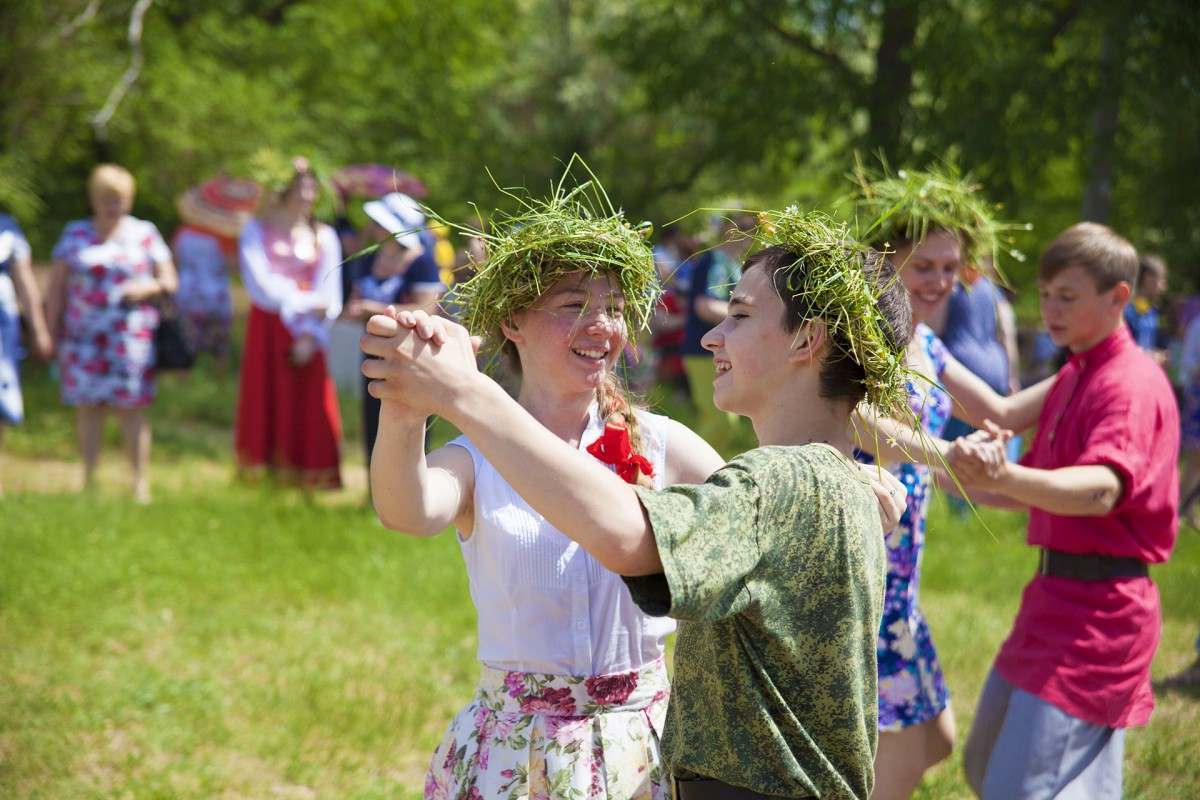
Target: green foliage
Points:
(674, 103)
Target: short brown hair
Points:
(841, 376)
(1103, 254)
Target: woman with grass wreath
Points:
(933, 222)
(573, 687)
(774, 565)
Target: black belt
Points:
(1076, 567)
(714, 790)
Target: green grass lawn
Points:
(241, 641)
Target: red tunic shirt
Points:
(1086, 647)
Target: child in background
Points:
(935, 222)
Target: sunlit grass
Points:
(241, 641)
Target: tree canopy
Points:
(1060, 109)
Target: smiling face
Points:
(1076, 314)
(573, 335)
(928, 270)
(751, 347)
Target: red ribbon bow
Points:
(613, 447)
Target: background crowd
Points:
(310, 284)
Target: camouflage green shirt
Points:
(775, 567)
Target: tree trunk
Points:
(1097, 195)
(889, 93)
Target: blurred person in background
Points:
(212, 216)
(1189, 480)
(1189, 378)
(674, 250)
(204, 262)
(1142, 314)
(287, 414)
(108, 269)
(401, 273)
(465, 263)
(19, 295)
(712, 276)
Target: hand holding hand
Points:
(889, 491)
(980, 457)
(422, 362)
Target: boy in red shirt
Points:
(1101, 484)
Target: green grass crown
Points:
(907, 205)
(830, 276)
(573, 230)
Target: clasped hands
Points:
(980, 458)
(416, 362)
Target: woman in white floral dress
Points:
(107, 271)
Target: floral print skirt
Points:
(532, 736)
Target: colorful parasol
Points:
(376, 180)
(220, 205)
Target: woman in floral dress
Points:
(108, 270)
(916, 721)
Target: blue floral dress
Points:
(912, 688)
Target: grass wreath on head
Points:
(276, 173)
(831, 275)
(574, 230)
(891, 208)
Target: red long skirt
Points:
(287, 416)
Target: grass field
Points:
(241, 641)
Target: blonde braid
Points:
(615, 407)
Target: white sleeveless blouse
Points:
(544, 604)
